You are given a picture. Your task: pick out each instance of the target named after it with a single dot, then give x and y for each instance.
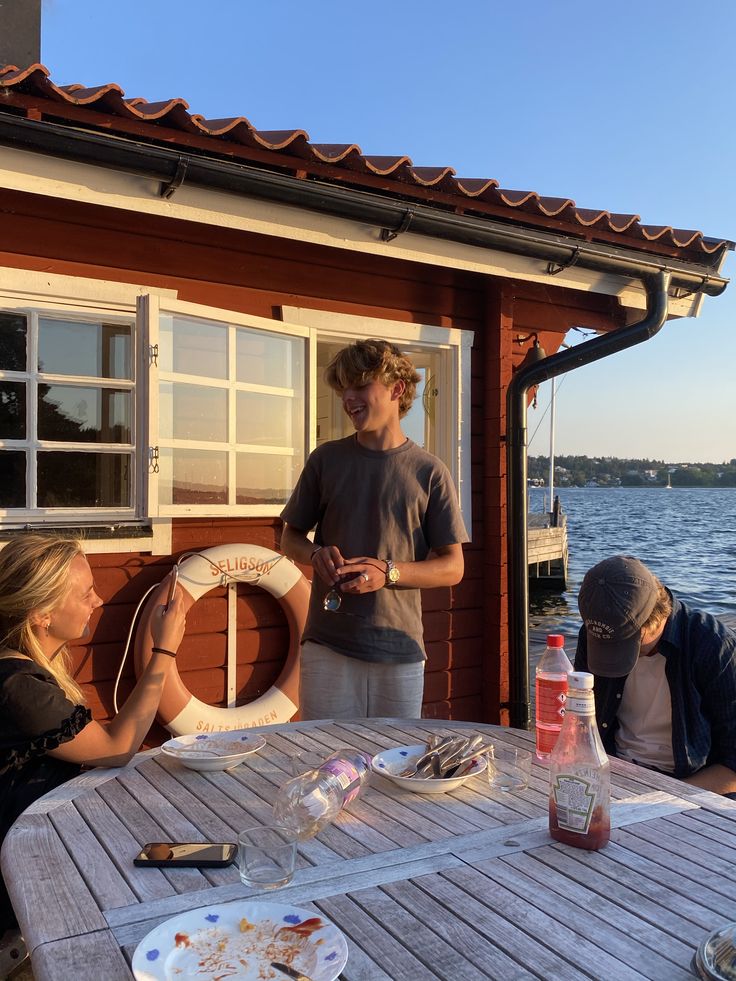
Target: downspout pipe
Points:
(603, 346)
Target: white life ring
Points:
(179, 710)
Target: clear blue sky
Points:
(626, 106)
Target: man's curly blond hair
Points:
(365, 361)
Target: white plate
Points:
(238, 941)
(391, 762)
(213, 751)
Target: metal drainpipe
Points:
(516, 449)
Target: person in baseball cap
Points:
(665, 675)
(616, 600)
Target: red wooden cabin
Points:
(170, 288)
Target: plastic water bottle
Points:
(551, 692)
(309, 802)
(579, 773)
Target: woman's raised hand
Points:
(168, 625)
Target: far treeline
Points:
(583, 471)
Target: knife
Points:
(291, 971)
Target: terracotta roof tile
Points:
(433, 185)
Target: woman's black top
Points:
(35, 716)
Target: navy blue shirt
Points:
(700, 667)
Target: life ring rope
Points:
(199, 572)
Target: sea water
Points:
(684, 535)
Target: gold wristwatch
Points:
(392, 573)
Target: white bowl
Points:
(392, 762)
(213, 751)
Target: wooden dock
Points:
(547, 548)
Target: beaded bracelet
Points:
(162, 650)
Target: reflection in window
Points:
(94, 480)
(192, 412)
(82, 414)
(12, 410)
(268, 359)
(192, 347)
(12, 479)
(95, 350)
(251, 397)
(198, 477)
(13, 332)
(268, 419)
(265, 479)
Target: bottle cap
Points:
(555, 640)
(580, 679)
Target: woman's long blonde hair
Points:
(34, 579)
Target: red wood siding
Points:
(466, 626)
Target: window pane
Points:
(12, 479)
(99, 350)
(192, 412)
(13, 331)
(76, 413)
(266, 479)
(193, 477)
(192, 347)
(92, 480)
(12, 410)
(269, 359)
(269, 420)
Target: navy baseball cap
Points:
(616, 599)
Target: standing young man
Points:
(386, 514)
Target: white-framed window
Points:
(227, 409)
(439, 419)
(122, 407)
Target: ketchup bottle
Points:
(579, 773)
(551, 691)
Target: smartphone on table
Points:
(186, 855)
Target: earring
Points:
(48, 627)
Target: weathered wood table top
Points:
(458, 886)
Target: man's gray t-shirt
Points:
(390, 504)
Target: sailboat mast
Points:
(552, 446)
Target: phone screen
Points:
(187, 854)
(172, 585)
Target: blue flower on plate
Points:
(153, 955)
(292, 918)
(404, 752)
(381, 765)
(201, 737)
(212, 917)
(332, 956)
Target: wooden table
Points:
(459, 886)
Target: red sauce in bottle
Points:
(597, 835)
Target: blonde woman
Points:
(47, 596)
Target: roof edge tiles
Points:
(329, 160)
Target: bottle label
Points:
(349, 776)
(581, 705)
(575, 798)
(551, 696)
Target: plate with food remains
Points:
(214, 750)
(242, 941)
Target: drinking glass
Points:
(266, 857)
(508, 768)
